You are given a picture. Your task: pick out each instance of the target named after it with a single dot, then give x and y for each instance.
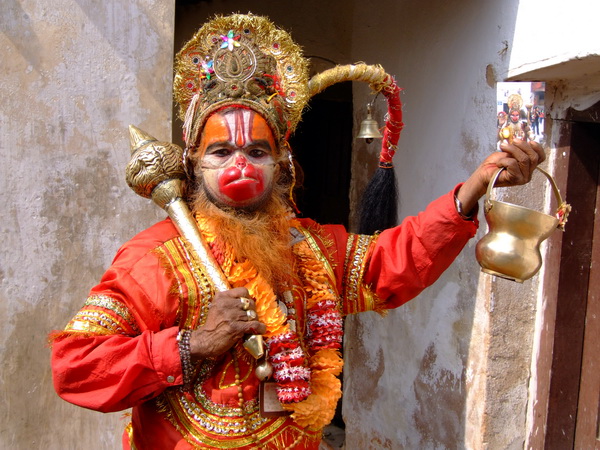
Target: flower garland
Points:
(324, 338)
(307, 386)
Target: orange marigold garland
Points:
(308, 387)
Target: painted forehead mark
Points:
(237, 128)
(239, 124)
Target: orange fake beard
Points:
(261, 236)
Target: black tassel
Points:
(379, 205)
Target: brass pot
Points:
(511, 248)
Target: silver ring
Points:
(245, 303)
(251, 314)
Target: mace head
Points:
(152, 162)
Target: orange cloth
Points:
(132, 357)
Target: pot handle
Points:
(562, 211)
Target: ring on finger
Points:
(251, 314)
(245, 303)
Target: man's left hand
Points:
(519, 158)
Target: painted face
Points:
(237, 158)
(514, 116)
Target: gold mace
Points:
(156, 171)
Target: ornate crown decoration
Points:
(242, 60)
(515, 102)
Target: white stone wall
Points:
(74, 74)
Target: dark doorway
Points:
(322, 145)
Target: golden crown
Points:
(241, 60)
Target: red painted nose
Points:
(240, 162)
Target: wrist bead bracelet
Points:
(183, 341)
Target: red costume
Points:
(121, 350)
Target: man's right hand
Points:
(226, 323)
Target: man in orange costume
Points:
(155, 335)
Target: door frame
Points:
(565, 408)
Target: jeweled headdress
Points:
(242, 60)
(515, 102)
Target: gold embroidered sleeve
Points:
(358, 297)
(103, 315)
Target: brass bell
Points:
(369, 129)
(255, 345)
(263, 370)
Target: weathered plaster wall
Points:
(420, 377)
(462, 360)
(75, 73)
